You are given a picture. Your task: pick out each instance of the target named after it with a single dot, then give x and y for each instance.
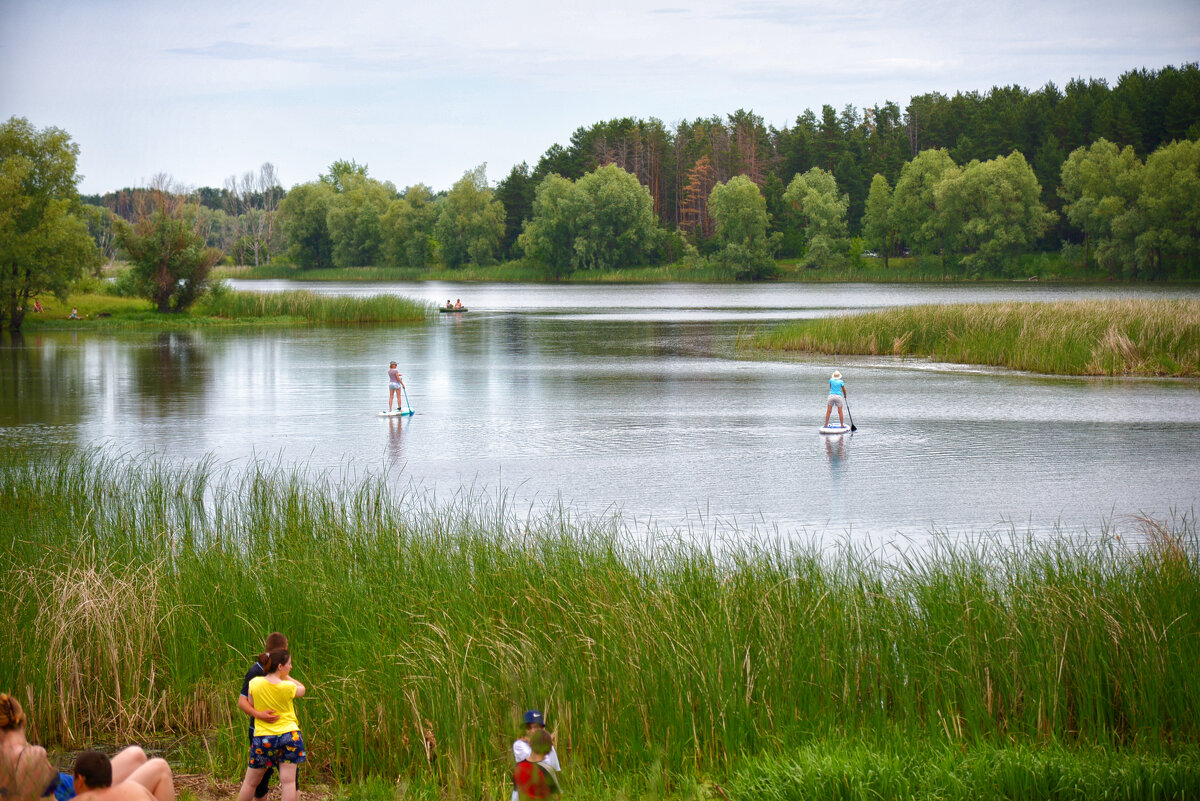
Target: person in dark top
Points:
(275, 641)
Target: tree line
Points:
(1109, 174)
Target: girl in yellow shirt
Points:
(277, 744)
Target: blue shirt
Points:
(835, 386)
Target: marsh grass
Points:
(1085, 337)
(138, 593)
(311, 307)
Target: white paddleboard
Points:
(835, 429)
(396, 413)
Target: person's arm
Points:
(266, 715)
(300, 688)
(845, 392)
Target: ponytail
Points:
(277, 659)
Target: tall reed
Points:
(1086, 337)
(312, 307)
(137, 593)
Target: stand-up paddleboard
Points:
(835, 429)
(397, 413)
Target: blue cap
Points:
(534, 716)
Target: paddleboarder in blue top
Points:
(837, 397)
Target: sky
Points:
(421, 92)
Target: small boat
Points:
(451, 309)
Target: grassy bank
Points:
(228, 307)
(910, 269)
(138, 593)
(1109, 337)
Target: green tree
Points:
(548, 237)
(1101, 184)
(739, 212)
(355, 219)
(602, 221)
(879, 228)
(470, 226)
(169, 260)
(995, 209)
(615, 224)
(516, 192)
(44, 243)
(915, 211)
(815, 197)
(304, 216)
(408, 228)
(1170, 208)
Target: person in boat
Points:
(837, 397)
(458, 303)
(395, 386)
(449, 305)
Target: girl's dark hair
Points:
(12, 717)
(275, 641)
(276, 659)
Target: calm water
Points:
(633, 399)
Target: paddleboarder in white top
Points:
(837, 397)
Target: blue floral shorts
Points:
(276, 749)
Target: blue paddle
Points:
(410, 408)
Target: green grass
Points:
(1087, 337)
(228, 307)
(138, 592)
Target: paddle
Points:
(409, 404)
(853, 427)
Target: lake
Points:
(634, 399)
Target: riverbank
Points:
(910, 269)
(423, 628)
(225, 307)
(1089, 337)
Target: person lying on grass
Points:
(28, 764)
(93, 780)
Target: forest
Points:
(1062, 138)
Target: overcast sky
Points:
(423, 91)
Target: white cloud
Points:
(423, 91)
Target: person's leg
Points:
(264, 784)
(828, 411)
(287, 781)
(126, 762)
(253, 776)
(156, 777)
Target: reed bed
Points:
(312, 307)
(1086, 337)
(137, 593)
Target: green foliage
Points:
(992, 209)
(169, 260)
(304, 215)
(915, 211)
(408, 226)
(44, 240)
(470, 226)
(355, 219)
(1169, 242)
(815, 197)
(312, 307)
(603, 221)
(739, 211)
(880, 232)
(1100, 188)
